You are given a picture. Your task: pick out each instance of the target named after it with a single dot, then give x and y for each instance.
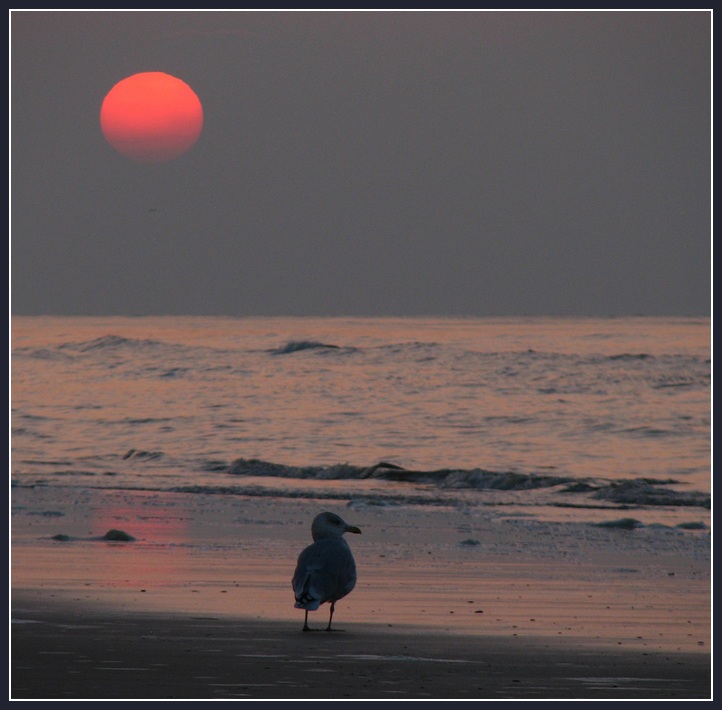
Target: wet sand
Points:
(449, 604)
(65, 653)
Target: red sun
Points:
(151, 117)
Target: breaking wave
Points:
(294, 346)
(633, 492)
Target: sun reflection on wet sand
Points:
(235, 559)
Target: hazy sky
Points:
(391, 163)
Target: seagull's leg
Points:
(333, 606)
(305, 622)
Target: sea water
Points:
(539, 415)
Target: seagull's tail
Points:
(304, 598)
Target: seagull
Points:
(326, 570)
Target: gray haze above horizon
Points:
(369, 163)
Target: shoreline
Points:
(449, 604)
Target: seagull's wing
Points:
(326, 571)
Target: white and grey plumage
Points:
(326, 570)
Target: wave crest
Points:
(294, 346)
(628, 493)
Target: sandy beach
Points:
(74, 653)
(449, 604)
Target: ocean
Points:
(605, 420)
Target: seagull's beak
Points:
(353, 529)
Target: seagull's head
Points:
(331, 525)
